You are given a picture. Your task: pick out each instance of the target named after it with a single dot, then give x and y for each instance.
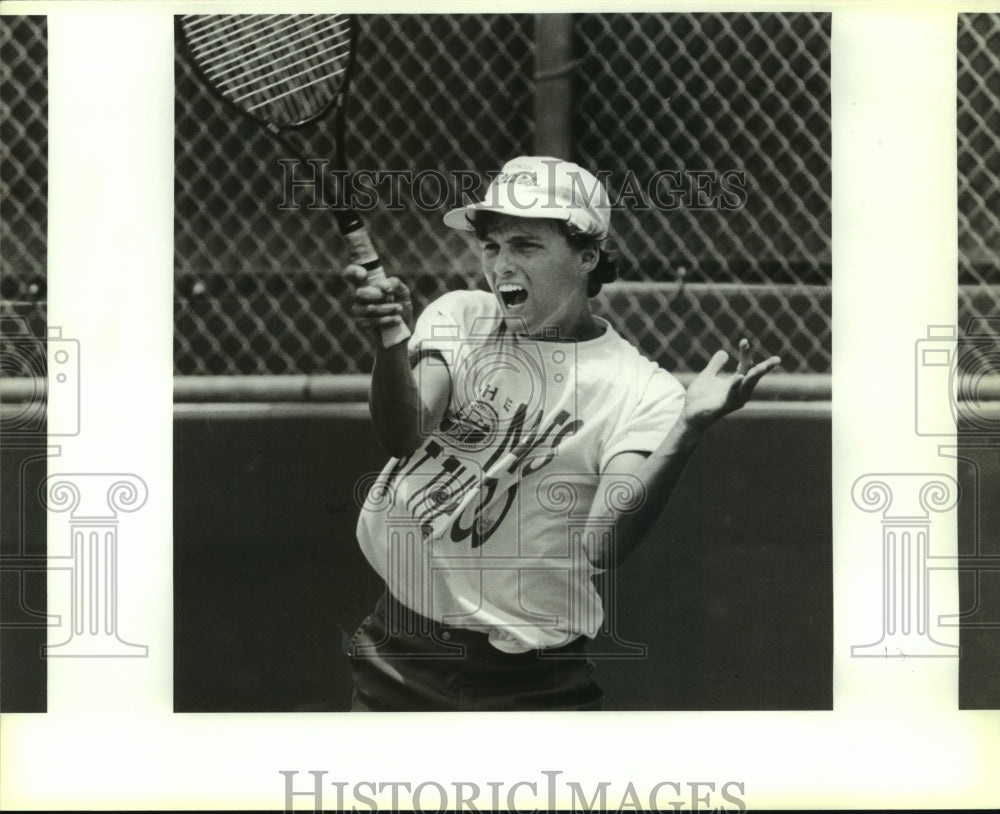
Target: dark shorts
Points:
(404, 662)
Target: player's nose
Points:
(503, 262)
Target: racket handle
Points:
(362, 253)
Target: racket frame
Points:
(349, 223)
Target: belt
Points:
(478, 641)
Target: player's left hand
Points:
(713, 393)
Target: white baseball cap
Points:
(543, 187)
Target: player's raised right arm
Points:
(406, 403)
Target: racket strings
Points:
(256, 42)
(307, 57)
(285, 75)
(214, 35)
(285, 68)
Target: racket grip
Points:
(362, 253)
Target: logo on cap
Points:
(543, 187)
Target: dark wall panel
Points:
(732, 594)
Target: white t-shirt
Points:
(484, 526)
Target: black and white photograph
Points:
(973, 370)
(609, 399)
(24, 345)
(687, 157)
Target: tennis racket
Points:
(286, 71)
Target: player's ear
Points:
(588, 259)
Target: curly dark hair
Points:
(606, 270)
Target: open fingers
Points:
(755, 374)
(720, 357)
(717, 362)
(744, 363)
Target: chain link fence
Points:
(713, 131)
(23, 194)
(706, 94)
(256, 286)
(978, 165)
(711, 97)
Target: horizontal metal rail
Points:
(347, 388)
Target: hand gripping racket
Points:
(286, 71)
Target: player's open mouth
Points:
(512, 294)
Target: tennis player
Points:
(532, 447)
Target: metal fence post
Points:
(554, 67)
